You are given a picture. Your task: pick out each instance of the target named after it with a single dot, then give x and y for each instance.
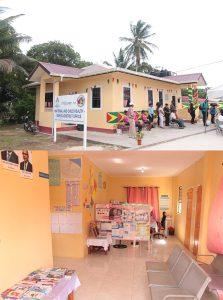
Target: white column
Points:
(56, 86)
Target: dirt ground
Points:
(14, 137)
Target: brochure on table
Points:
(125, 221)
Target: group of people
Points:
(205, 110)
(165, 116)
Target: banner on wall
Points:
(19, 161)
(54, 172)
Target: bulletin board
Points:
(66, 222)
(128, 221)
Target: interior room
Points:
(110, 216)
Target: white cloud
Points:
(188, 33)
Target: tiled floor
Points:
(119, 275)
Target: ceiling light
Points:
(117, 160)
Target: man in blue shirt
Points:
(151, 112)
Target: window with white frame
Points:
(179, 201)
(126, 96)
(96, 97)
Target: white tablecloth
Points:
(102, 242)
(64, 288)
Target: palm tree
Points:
(138, 42)
(11, 56)
(121, 60)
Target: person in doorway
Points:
(174, 118)
(172, 106)
(204, 107)
(131, 116)
(26, 165)
(163, 220)
(213, 113)
(161, 116)
(191, 111)
(167, 114)
(151, 112)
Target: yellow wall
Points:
(111, 95)
(25, 234)
(206, 172)
(74, 245)
(118, 193)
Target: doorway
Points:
(188, 218)
(150, 97)
(174, 100)
(161, 97)
(193, 218)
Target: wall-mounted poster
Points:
(54, 172)
(65, 222)
(18, 161)
(10, 160)
(26, 166)
(102, 212)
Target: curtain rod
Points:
(125, 187)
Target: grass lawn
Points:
(14, 137)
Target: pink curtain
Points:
(144, 195)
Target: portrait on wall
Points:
(25, 164)
(10, 160)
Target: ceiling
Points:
(154, 163)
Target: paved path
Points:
(153, 139)
(204, 141)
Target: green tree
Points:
(121, 60)
(56, 52)
(11, 57)
(139, 44)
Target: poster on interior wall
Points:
(10, 160)
(66, 222)
(142, 213)
(115, 212)
(164, 202)
(71, 169)
(100, 181)
(102, 212)
(25, 164)
(54, 172)
(72, 194)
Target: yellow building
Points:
(109, 90)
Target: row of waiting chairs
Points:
(179, 278)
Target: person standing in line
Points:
(151, 112)
(161, 116)
(191, 111)
(213, 112)
(131, 116)
(167, 114)
(172, 106)
(204, 107)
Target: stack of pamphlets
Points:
(37, 284)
